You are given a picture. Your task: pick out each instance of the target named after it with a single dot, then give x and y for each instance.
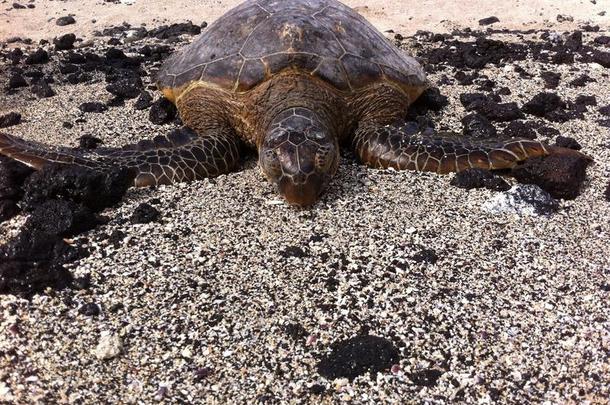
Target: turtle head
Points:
(299, 156)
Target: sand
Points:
(234, 297)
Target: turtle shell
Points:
(260, 38)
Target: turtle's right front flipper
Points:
(404, 148)
(180, 156)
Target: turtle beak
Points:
(302, 191)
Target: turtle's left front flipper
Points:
(404, 148)
(182, 155)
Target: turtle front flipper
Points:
(406, 148)
(180, 156)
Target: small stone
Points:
(358, 355)
(543, 103)
(489, 20)
(64, 42)
(18, 6)
(42, 89)
(519, 129)
(10, 119)
(477, 126)
(144, 101)
(603, 58)
(88, 142)
(551, 79)
(67, 20)
(478, 178)
(126, 88)
(144, 214)
(567, 142)
(162, 111)
(522, 199)
(40, 56)
(90, 309)
(93, 107)
(16, 81)
(108, 347)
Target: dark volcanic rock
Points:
(479, 178)
(95, 190)
(543, 103)
(475, 55)
(88, 142)
(16, 80)
(64, 42)
(603, 58)
(602, 40)
(567, 142)
(519, 129)
(67, 20)
(607, 193)
(426, 377)
(42, 89)
(126, 88)
(174, 30)
(12, 177)
(432, 99)
(605, 110)
(63, 218)
(144, 214)
(144, 101)
(472, 101)
(477, 126)
(89, 309)
(551, 79)
(93, 106)
(162, 111)
(358, 355)
(560, 174)
(500, 112)
(40, 56)
(581, 81)
(489, 20)
(10, 119)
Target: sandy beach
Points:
(232, 296)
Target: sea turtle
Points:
(293, 79)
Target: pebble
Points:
(64, 42)
(67, 20)
(10, 119)
(93, 107)
(108, 347)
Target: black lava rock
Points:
(88, 142)
(543, 103)
(67, 20)
(10, 119)
(68, 68)
(479, 178)
(126, 88)
(605, 110)
(567, 142)
(602, 40)
(478, 126)
(62, 218)
(574, 41)
(95, 190)
(40, 56)
(12, 177)
(519, 129)
(174, 30)
(144, 214)
(358, 355)
(560, 174)
(473, 101)
(64, 42)
(79, 77)
(426, 377)
(603, 58)
(607, 193)
(42, 89)
(500, 112)
(433, 99)
(162, 112)
(581, 81)
(489, 20)
(89, 309)
(33, 261)
(551, 79)
(16, 80)
(93, 107)
(18, 6)
(144, 101)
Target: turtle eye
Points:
(270, 162)
(316, 135)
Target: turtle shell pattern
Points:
(260, 38)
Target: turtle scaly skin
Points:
(294, 79)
